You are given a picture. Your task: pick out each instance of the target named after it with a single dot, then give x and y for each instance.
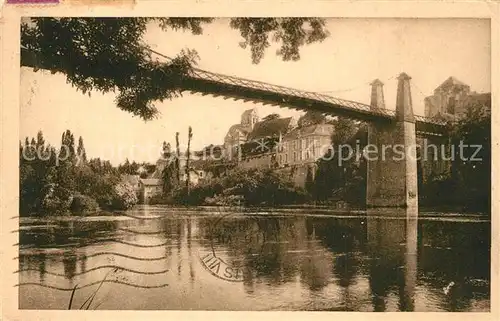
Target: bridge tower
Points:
(391, 152)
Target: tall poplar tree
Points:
(188, 156)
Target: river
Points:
(159, 258)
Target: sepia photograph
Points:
(254, 164)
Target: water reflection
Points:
(299, 262)
(392, 248)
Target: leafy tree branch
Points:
(109, 54)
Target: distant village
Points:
(286, 144)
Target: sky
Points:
(356, 52)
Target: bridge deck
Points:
(211, 83)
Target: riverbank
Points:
(158, 212)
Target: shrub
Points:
(243, 186)
(84, 204)
(159, 199)
(124, 196)
(55, 200)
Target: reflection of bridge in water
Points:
(349, 251)
(391, 181)
(356, 263)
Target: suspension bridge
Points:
(391, 182)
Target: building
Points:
(301, 148)
(133, 180)
(150, 187)
(276, 142)
(305, 144)
(153, 185)
(196, 176)
(451, 98)
(238, 133)
(263, 141)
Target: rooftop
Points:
(131, 179)
(269, 128)
(317, 129)
(451, 81)
(151, 181)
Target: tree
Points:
(108, 54)
(337, 176)
(129, 168)
(345, 128)
(178, 157)
(471, 171)
(124, 196)
(82, 155)
(188, 156)
(271, 117)
(28, 193)
(166, 152)
(171, 175)
(310, 118)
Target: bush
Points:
(84, 204)
(124, 196)
(159, 200)
(243, 186)
(55, 200)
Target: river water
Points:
(158, 258)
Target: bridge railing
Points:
(282, 90)
(259, 85)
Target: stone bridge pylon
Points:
(391, 152)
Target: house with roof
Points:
(150, 187)
(263, 142)
(153, 185)
(133, 180)
(451, 98)
(305, 144)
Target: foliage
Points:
(170, 176)
(249, 186)
(342, 178)
(271, 117)
(143, 169)
(50, 178)
(188, 155)
(469, 183)
(124, 196)
(474, 175)
(109, 54)
(291, 33)
(345, 129)
(56, 199)
(310, 118)
(83, 204)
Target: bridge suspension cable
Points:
(287, 91)
(216, 84)
(363, 85)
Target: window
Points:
(286, 158)
(294, 156)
